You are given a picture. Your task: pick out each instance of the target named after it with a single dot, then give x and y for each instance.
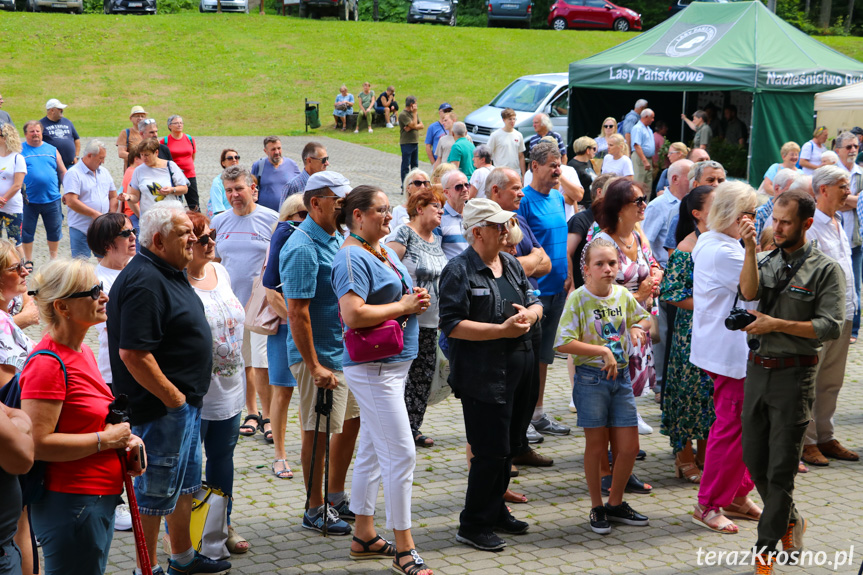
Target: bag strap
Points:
(55, 356)
(127, 139)
(170, 173)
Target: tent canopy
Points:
(719, 46)
(840, 109)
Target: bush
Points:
(731, 156)
(388, 10)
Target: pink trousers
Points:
(725, 476)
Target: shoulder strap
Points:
(52, 354)
(165, 140)
(127, 138)
(192, 141)
(258, 170)
(170, 172)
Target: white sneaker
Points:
(572, 406)
(370, 130)
(389, 125)
(122, 518)
(643, 428)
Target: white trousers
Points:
(386, 448)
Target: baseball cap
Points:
(137, 110)
(445, 106)
(484, 210)
(336, 182)
(857, 131)
(54, 103)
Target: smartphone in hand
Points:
(136, 460)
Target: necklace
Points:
(202, 278)
(626, 245)
(382, 255)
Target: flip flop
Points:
(513, 497)
(247, 430)
(285, 473)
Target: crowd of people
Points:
(733, 307)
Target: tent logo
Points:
(691, 42)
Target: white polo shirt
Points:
(92, 189)
(834, 243)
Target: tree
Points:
(824, 16)
(850, 15)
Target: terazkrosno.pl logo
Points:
(691, 42)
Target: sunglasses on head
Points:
(94, 292)
(127, 233)
(204, 239)
(148, 121)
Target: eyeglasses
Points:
(148, 121)
(421, 183)
(500, 227)
(640, 200)
(851, 147)
(94, 293)
(19, 267)
(750, 214)
(302, 213)
(461, 187)
(204, 239)
(383, 210)
(127, 233)
(175, 122)
(608, 125)
(324, 160)
(237, 157)
(337, 200)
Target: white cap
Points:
(54, 103)
(484, 210)
(336, 182)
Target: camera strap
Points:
(790, 273)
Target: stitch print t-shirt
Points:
(601, 321)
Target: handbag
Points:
(209, 524)
(440, 388)
(260, 317)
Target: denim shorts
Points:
(552, 309)
(52, 218)
(173, 459)
(277, 359)
(603, 402)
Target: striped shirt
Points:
(452, 242)
(546, 216)
(763, 214)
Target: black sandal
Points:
(422, 441)
(268, 433)
(411, 567)
(247, 430)
(386, 551)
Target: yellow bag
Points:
(209, 525)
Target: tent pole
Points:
(683, 111)
(751, 123)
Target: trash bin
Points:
(313, 119)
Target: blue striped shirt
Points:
(763, 214)
(452, 232)
(546, 216)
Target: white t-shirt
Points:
(812, 153)
(242, 243)
(477, 180)
(107, 276)
(9, 166)
(92, 188)
(504, 148)
(149, 181)
(621, 167)
(225, 314)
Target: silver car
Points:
(227, 6)
(528, 96)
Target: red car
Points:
(592, 14)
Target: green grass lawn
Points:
(235, 74)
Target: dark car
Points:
(129, 6)
(433, 11)
(517, 12)
(678, 5)
(7, 5)
(592, 14)
(341, 9)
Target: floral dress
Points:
(631, 273)
(687, 395)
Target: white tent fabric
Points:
(840, 109)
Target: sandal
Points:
(268, 433)
(746, 510)
(285, 473)
(688, 471)
(422, 441)
(713, 520)
(413, 567)
(247, 430)
(801, 468)
(236, 543)
(633, 485)
(385, 551)
(513, 497)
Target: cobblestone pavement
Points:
(267, 510)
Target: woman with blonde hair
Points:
(437, 175)
(13, 168)
(609, 127)
(789, 152)
(676, 151)
(67, 400)
(617, 160)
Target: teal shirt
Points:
(462, 152)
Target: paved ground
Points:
(267, 510)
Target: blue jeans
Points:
(75, 531)
(52, 218)
(857, 268)
(552, 309)
(410, 159)
(219, 439)
(78, 241)
(173, 459)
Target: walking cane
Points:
(323, 406)
(118, 413)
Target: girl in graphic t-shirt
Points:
(600, 322)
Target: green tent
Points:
(738, 51)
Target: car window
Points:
(575, 2)
(523, 95)
(595, 3)
(560, 105)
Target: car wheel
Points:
(452, 20)
(559, 24)
(345, 12)
(621, 25)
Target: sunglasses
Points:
(237, 157)
(640, 200)
(302, 213)
(94, 292)
(127, 233)
(421, 183)
(204, 239)
(851, 147)
(460, 187)
(20, 266)
(323, 160)
(608, 126)
(750, 214)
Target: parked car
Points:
(678, 5)
(227, 6)
(130, 6)
(434, 11)
(76, 6)
(592, 14)
(7, 5)
(509, 11)
(342, 9)
(528, 96)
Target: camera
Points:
(738, 318)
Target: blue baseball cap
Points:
(445, 106)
